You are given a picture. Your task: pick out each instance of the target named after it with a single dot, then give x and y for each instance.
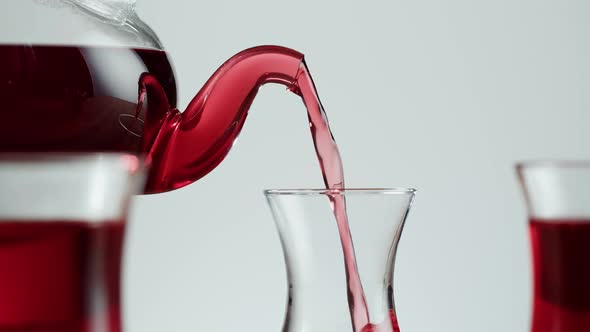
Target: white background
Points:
(443, 96)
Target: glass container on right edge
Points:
(557, 196)
(339, 247)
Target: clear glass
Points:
(323, 281)
(557, 195)
(62, 225)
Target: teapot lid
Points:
(75, 22)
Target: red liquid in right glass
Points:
(561, 265)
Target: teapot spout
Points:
(191, 144)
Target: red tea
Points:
(60, 276)
(60, 98)
(385, 326)
(561, 265)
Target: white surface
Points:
(440, 95)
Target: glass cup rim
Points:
(341, 191)
(553, 163)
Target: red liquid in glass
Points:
(561, 263)
(58, 98)
(385, 326)
(60, 276)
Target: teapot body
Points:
(69, 73)
(78, 98)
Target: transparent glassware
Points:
(557, 196)
(62, 226)
(112, 23)
(334, 285)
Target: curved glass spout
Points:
(191, 144)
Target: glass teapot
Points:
(89, 75)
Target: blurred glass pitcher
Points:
(89, 75)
